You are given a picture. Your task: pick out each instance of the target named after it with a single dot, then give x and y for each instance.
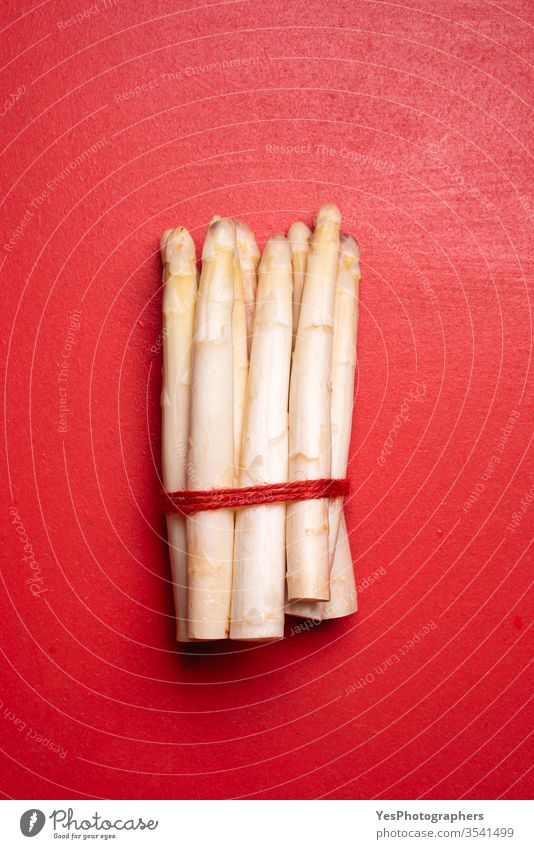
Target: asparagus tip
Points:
(220, 236)
(276, 253)
(246, 244)
(349, 254)
(328, 214)
(299, 235)
(178, 251)
(348, 245)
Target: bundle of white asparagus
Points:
(258, 385)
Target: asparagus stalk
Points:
(343, 366)
(343, 596)
(249, 257)
(239, 352)
(299, 236)
(179, 296)
(210, 534)
(308, 569)
(240, 360)
(259, 555)
(342, 586)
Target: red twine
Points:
(194, 501)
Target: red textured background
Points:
(423, 109)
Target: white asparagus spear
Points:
(259, 553)
(308, 569)
(249, 257)
(239, 353)
(343, 596)
(342, 584)
(210, 534)
(179, 296)
(343, 366)
(240, 360)
(299, 236)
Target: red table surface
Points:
(124, 118)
